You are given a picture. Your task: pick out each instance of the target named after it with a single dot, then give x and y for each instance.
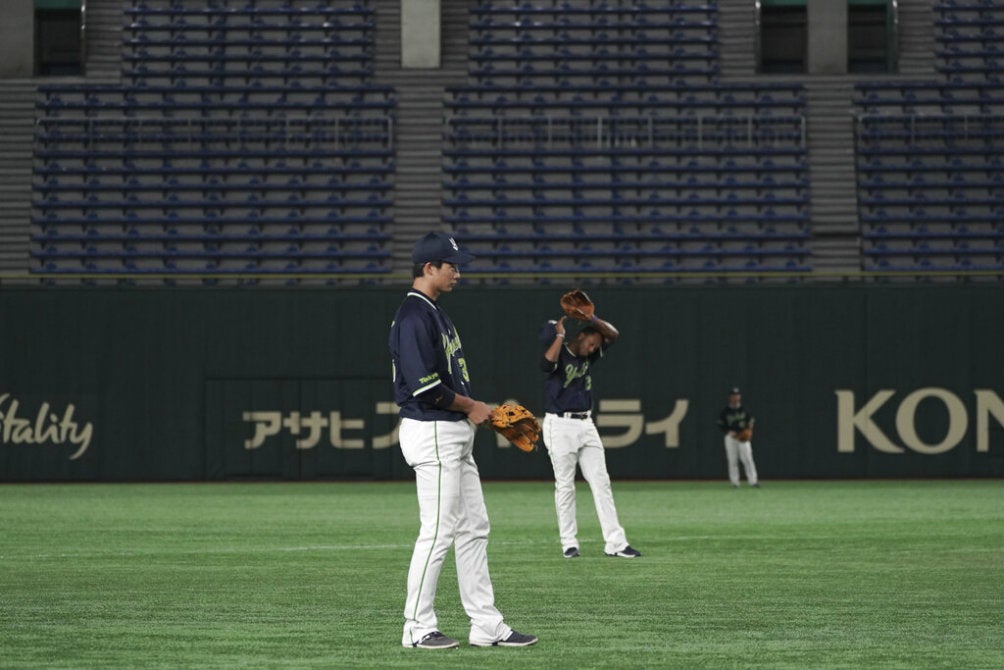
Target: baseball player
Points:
(570, 435)
(737, 424)
(438, 418)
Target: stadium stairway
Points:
(916, 39)
(737, 23)
(419, 135)
(835, 227)
(103, 30)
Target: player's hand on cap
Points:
(559, 326)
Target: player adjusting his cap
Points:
(569, 433)
(438, 412)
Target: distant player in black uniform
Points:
(438, 418)
(733, 420)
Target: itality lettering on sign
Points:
(45, 427)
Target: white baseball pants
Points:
(736, 451)
(572, 442)
(451, 509)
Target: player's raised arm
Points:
(551, 353)
(607, 330)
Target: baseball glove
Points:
(578, 305)
(745, 435)
(516, 424)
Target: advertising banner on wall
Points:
(294, 384)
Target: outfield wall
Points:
(293, 383)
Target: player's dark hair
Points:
(583, 332)
(419, 268)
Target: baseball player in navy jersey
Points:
(570, 435)
(438, 418)
(732, 420)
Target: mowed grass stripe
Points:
(881, 574)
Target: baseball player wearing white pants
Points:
(570, 435)
(452, 512)
(732, 420)
(438, 419)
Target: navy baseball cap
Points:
(734, 391)
(439, 247)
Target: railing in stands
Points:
(605, 132)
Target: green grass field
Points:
(800, 575)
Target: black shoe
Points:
(436, 640)
(514, 640)
(572, 552)
(756, 486)
(627, 552)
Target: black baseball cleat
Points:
(627, 552)
(515, 639)
(436, 640)
(571, 552)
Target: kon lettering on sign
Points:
(852, 419)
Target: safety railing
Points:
(548, 131)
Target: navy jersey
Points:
(568, 386)
(734, 419)
(425, 352)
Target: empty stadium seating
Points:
(970, 39)
(591, 136)
(929, 153)
(244, 138)
(595, 137)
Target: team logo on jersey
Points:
(451, 346)
(573, 372)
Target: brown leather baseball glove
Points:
(577, 305)
(516, 424)
(745, 435)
